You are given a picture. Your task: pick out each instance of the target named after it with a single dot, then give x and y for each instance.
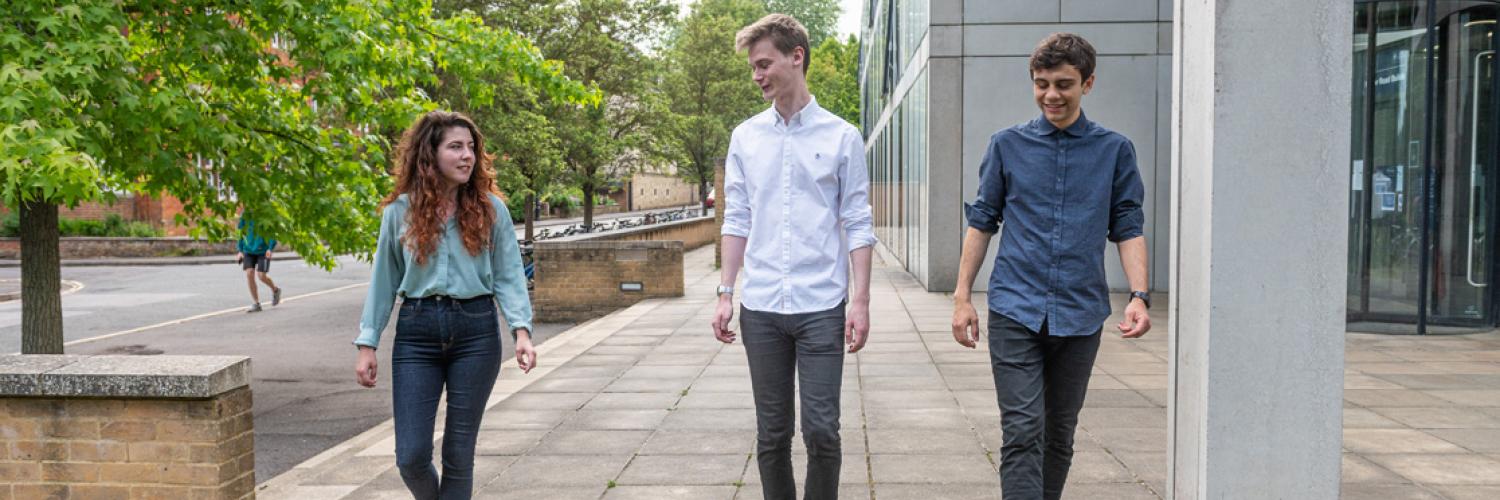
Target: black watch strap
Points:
(1145, 297)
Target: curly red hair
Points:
(417, 177)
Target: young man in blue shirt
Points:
(1061, 185)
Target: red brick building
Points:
(158, 211)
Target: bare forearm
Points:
(859, 260)
(1133, 258)
(976, 245)
(731, 258)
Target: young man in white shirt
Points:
(796, 215)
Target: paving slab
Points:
(645, 404)
(723, 470)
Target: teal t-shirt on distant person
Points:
(252, 243)
(450, 271)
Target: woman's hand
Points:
(525, 353)
(364, 367)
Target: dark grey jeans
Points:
(809, 347)
(1040, 382)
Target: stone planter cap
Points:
(153, 377)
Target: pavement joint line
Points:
(590, 333)
(202, 316)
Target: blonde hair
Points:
(785, 32)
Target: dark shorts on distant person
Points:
(260, 262)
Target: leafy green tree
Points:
(286, 108)
(820, 17)
(709, 86)
(522, 139)
(609, 44)
(530, 158)
(833, 77)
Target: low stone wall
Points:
(126, 427)
(581, 280)
(94, 248)
(693, 233)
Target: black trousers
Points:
(1040, 383)
(808, 350)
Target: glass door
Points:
(1422, 199)
(1465, 135)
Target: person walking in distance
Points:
(255, 258)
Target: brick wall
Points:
(94, 248)
(577, 281)
(718, 213)
(652, 191)
(159, 211)
(127, 449)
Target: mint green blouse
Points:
(449, 271)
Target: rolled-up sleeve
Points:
(385, 280)
(854, 192)
(510, 275)
(1126, 217)
(734, 198)
(985, 213)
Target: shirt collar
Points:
(1077, 129)
(800, 117)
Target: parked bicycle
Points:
(528, 248)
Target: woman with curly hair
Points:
(448, 249)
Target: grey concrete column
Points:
(1260, 166)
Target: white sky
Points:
(848, 18)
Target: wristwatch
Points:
(1145, 297)
(723, 289)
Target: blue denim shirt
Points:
(1060, 194)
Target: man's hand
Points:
(1137, 322)
(364, 366)
(965, 323)
(525, 353)
(722, 315)
(857, 326)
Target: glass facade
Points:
(894, 88)
(1422, 174)
(1425, 136)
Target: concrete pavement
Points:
(645, 404)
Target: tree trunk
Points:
(703, 194)
(41, 281)
(588, 207)
(529, 212)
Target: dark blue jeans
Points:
(442, 341)
(806, 349)
(1040, 382)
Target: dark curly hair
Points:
(1064, 48)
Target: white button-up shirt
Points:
(800, 195)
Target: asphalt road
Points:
(306, 399)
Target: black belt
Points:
(439, 299)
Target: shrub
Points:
(112, 226)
